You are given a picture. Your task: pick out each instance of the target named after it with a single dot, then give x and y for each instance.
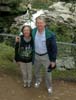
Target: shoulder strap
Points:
(19, 44)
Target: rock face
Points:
(65, 63)
(27, 19)
(61, 12)
(9, 9)
(5, 6)
(58, 12)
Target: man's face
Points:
(40, 24)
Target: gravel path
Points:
(12, 89)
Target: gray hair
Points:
(41, 18)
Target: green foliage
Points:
(66, 75)
(39, 4)
(14, 30)
(9, 67)
(7, 64)
(9, 41)
(5, 22)
(6, 52)
(8, 16)
(63, 33)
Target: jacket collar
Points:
(48, 33)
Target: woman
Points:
(24, 54)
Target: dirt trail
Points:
(12, 89)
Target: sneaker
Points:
(29, 85)
(50, 90)
(37, 84)
(25, 85)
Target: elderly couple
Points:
(37, 46)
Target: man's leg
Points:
(48, 75)
(37, 67)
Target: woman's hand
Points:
(17, 39)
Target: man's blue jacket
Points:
(50, 43)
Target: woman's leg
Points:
(29, 73)
(23, 67)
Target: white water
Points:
(56, 11)
(61, 10)
(32, 23)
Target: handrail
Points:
(64, 43)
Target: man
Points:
(45, 51)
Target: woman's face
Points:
(40, 24)
(26, 32)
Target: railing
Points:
(7, 35)
(66, 57)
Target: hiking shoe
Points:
(25, 85)
(37, 84)
(29, 85)
(50, 90)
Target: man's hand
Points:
(53, 64)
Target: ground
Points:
(12, 89)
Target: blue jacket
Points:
(50, 43)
